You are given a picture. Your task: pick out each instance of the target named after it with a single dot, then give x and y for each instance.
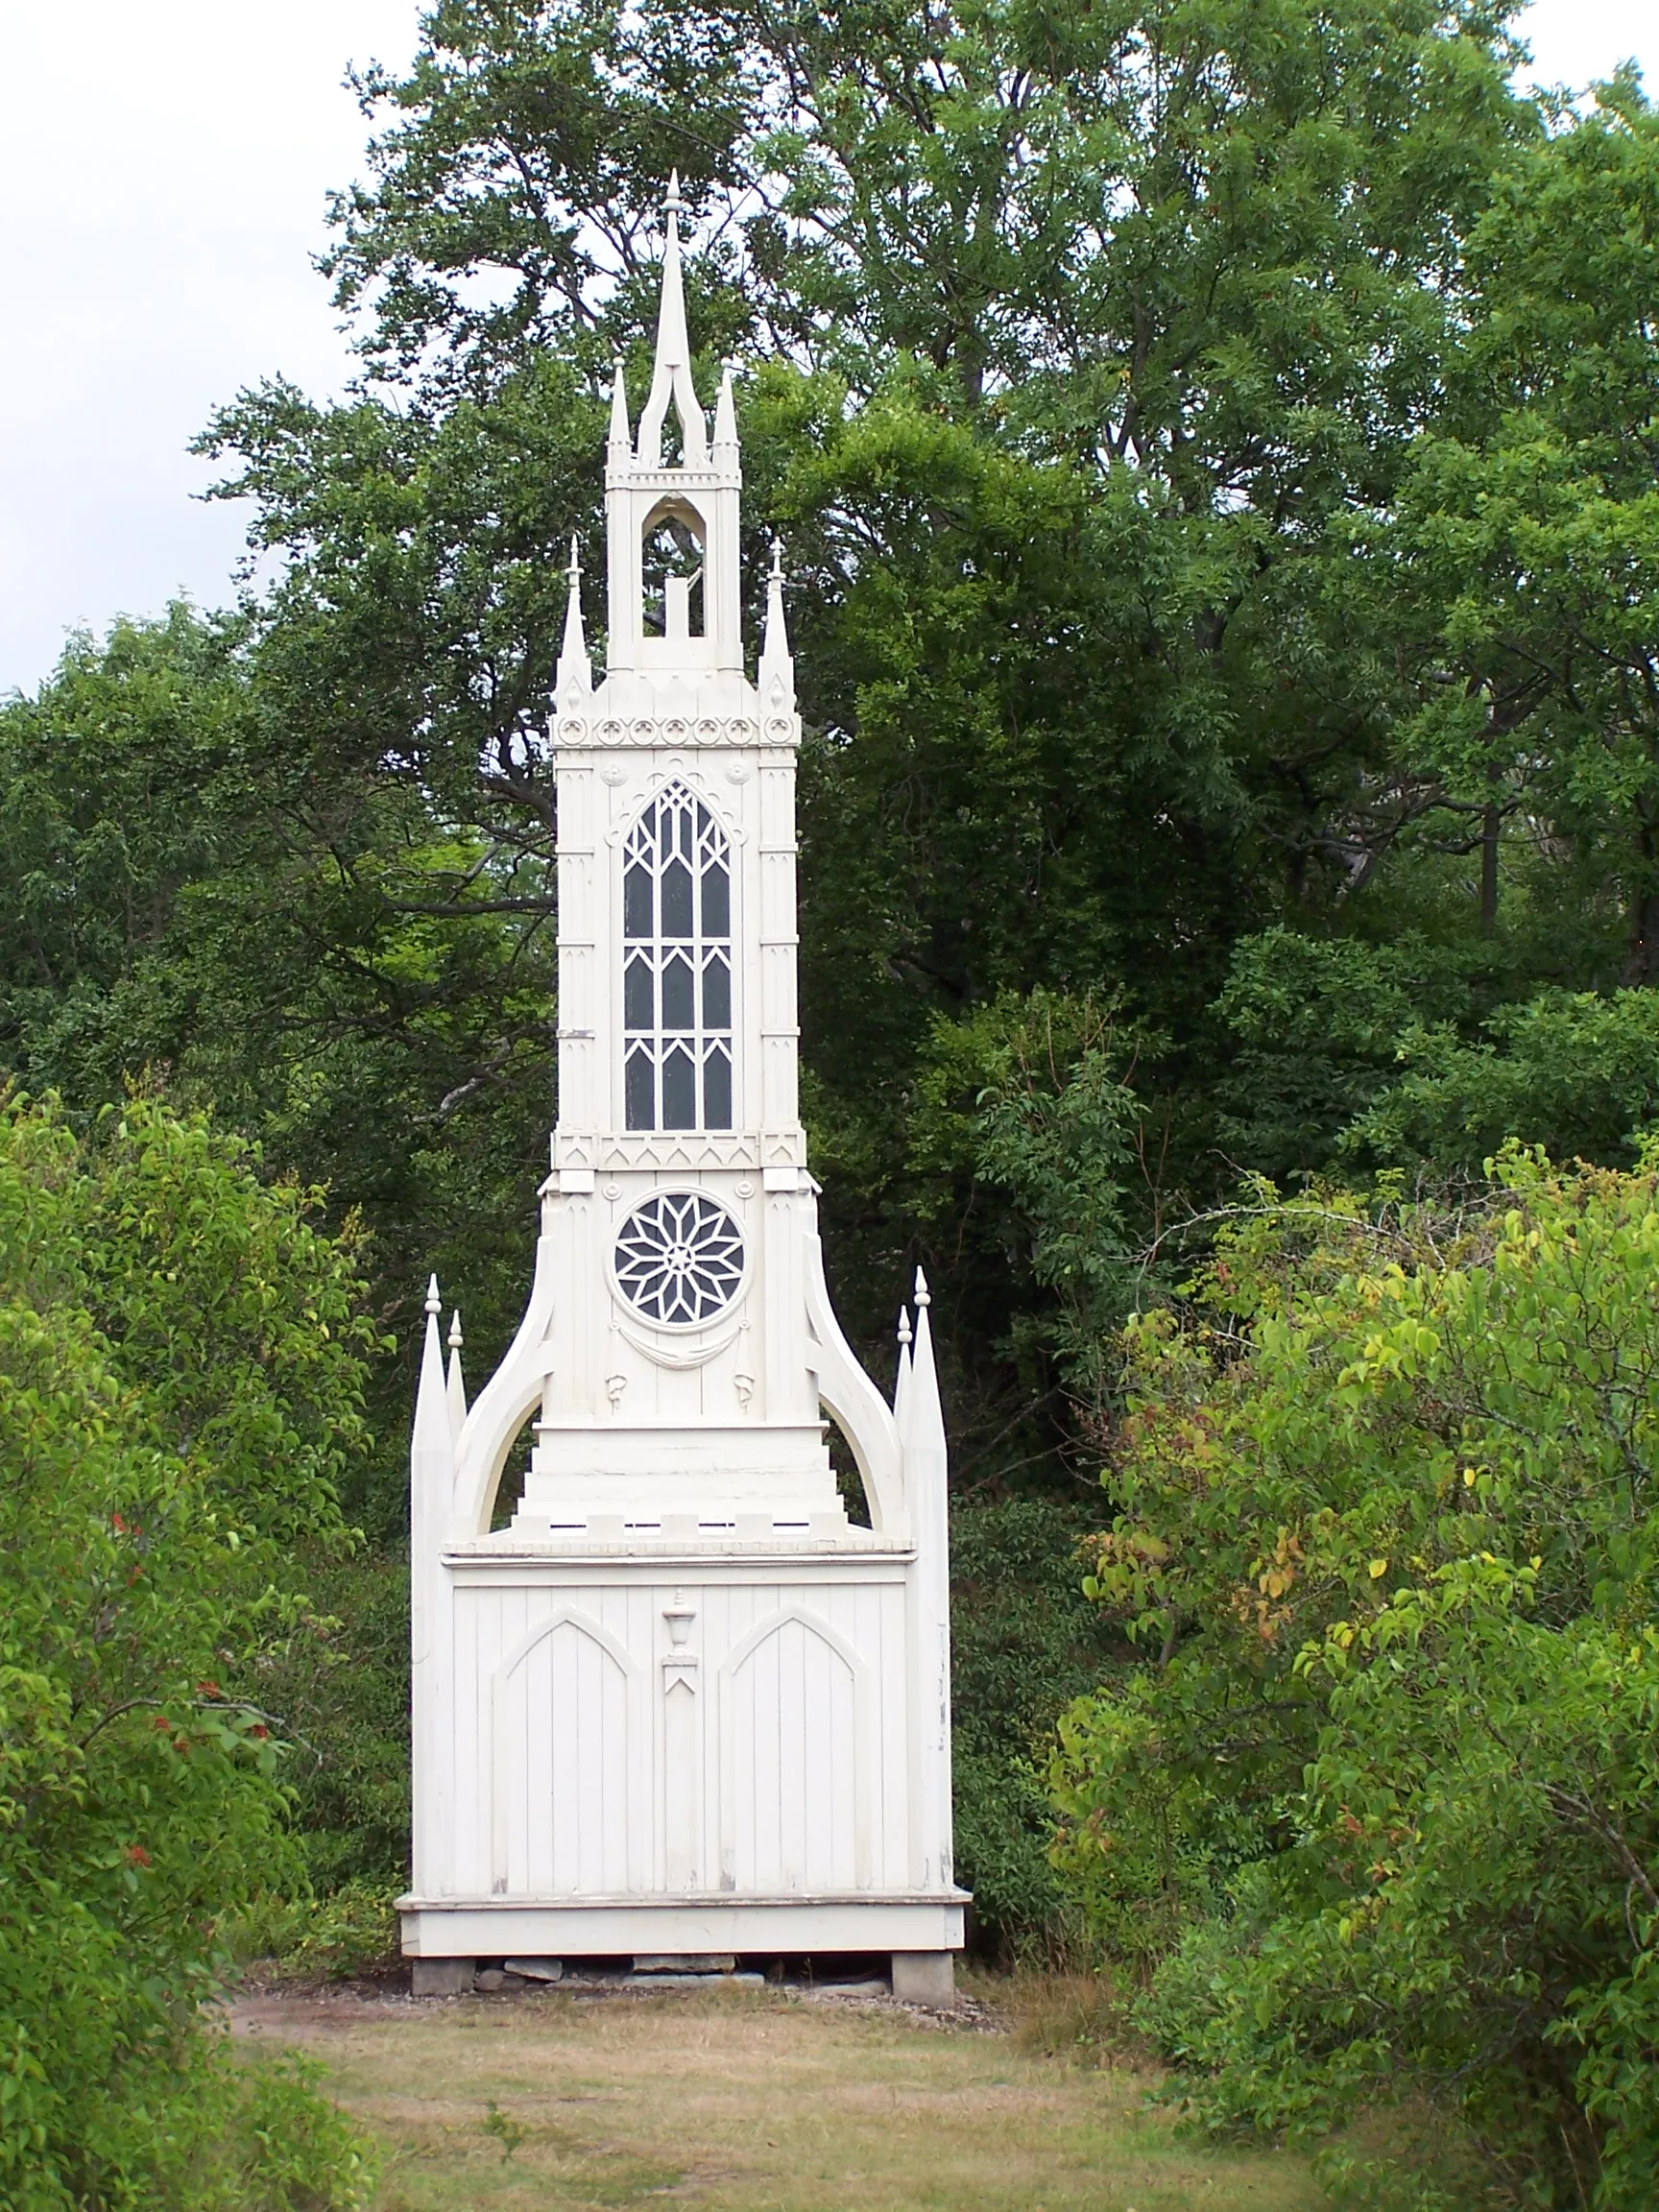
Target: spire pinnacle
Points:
(902, 1380)
(725, 415)
(432, 1446)
(924, 1417)
(775, 678)
(621, 437)
(671, 373)
(455, 1391)
(575, 669)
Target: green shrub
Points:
(344, 1688)
(338, 1933)
(181, 1384)
(1388, 1770)
(1025, 1642)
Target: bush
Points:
(1025, 1642)
(1390, 1762)
(181, 1386)
(345, 1690)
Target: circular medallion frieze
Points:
(679, 1258)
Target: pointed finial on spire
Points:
(671, 200)
(621, 437)
(575, 672)
(726, 413)
(455, 1390)
(671, 371)
(775, 677)
(923, 1421)
(432, 1446)
(902, 1380)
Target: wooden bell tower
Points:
(680, 1703)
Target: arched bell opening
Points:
(672, 560)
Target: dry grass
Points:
(1080, 2017)
(742, 2101)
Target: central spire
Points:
(671, 374)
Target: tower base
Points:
(613, 1928)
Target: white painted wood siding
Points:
(764, 1755)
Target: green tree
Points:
(1387, 1540)
(1525, 541)
(1075, 334)
(307, 945)
(181, 1372)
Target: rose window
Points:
(679, 1258)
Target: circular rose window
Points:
(679, 1258)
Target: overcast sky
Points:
(163, 165)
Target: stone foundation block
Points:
(924, 1976)
(440, 1977)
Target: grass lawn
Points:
(745, 2100)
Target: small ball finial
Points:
(434, 1303)
(455, 1331)
(924, 1296)
(575, 568)
(672, 202)
(904, 1325)
(777, 558)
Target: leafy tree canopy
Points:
(1383, 1770)
(181, 1376)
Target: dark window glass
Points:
(637, 901)
(636, 993)
(718, 1090)
(679, 1089)
(638, 1086)
(717, 993)
(716, 901)
(676, 900)
(677, 1008)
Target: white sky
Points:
(162, 171)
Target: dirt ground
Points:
(742, 2100)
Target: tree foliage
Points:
(1385, 1544)
(181, 1372)
(1213, 442)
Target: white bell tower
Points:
(680, 1703)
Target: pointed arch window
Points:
(671, 564)
(677, 967)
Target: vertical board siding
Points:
(776, 1767)
(570, 1743)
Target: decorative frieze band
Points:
(693, 1150)
(615, 731)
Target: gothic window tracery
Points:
(677, 967)
(679, 1258)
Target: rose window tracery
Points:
(679, 1258)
